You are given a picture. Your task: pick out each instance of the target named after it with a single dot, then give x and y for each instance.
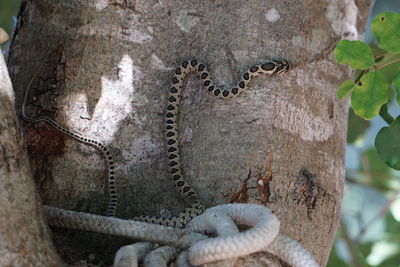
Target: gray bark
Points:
(108, 66)
(24, 236)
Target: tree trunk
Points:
(107, 68)
(24, 236)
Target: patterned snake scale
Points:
(171, 127)
(171, 133)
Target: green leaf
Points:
(369, 94)
(396, 85)
(387, 144)
(386, 29)
(356, 54)
(345, 88)
(389, 72)
(385, 115)
(377, 52)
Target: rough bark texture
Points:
(24, 236)
(108, 66)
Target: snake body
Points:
(113, 197)
(221, 222)
(172, 134)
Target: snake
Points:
(172, 135)
(105, 151)
(212, 236)
(171, 127)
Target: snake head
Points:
(281, 67)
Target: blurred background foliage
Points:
(8, 12)
(370, 224)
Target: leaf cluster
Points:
(377, 77)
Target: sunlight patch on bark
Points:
(300, 121)
(344, 23)
(113, 106)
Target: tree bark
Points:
(108, 66)
(24, 236)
